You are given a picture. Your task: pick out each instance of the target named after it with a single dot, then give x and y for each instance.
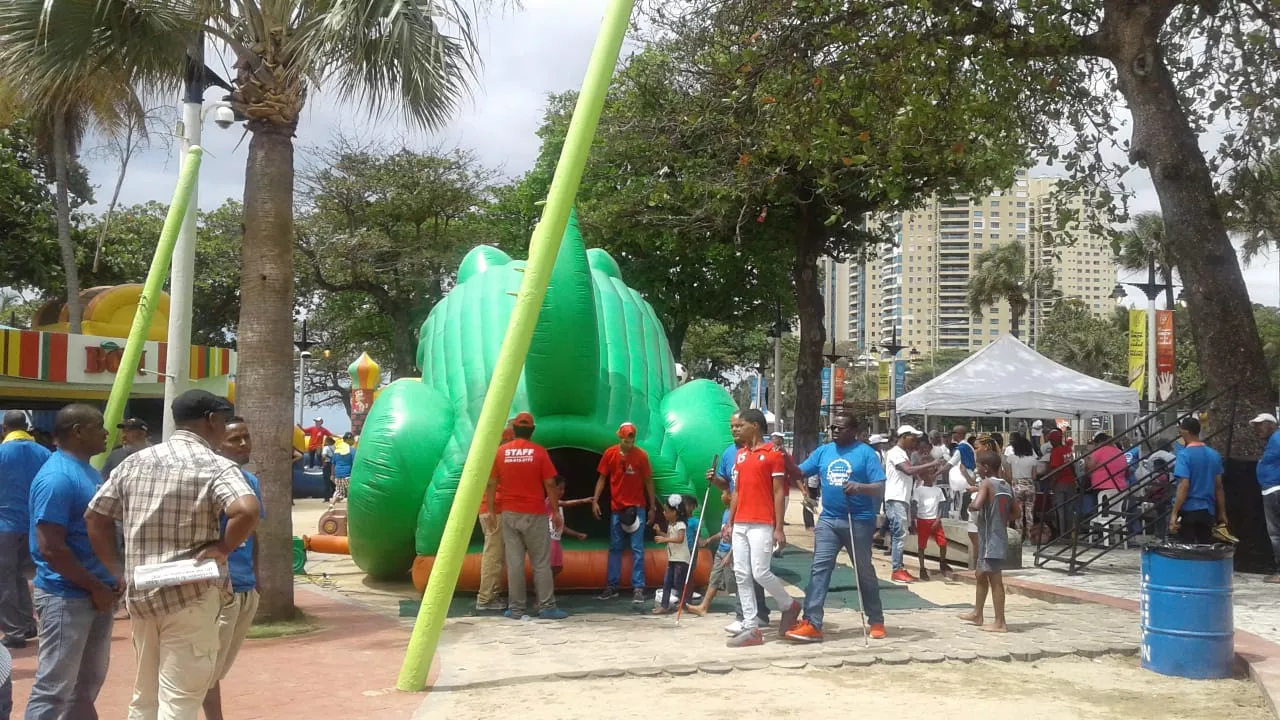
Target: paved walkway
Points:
(1118, 574)
(344, 670)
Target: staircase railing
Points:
(1091, 535)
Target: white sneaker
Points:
(734, 628)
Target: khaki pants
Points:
(233, 625)
(491, 562)
(521, 533)
(177, 656)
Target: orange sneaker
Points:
(877, 631)
(805, 632)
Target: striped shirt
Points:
(169, 498)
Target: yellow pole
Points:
(150, 298)
(543, 249)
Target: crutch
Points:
(693, 561)
(853, 556)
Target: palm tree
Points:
(1001, 274)
(1135, 248)
(417, 55)
(63, 100)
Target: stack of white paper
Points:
(178, 572)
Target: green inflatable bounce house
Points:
(599, 358)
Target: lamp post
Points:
(1152, 289)
(893, 347)
(198, 78)
(304, 353)
(776, 331)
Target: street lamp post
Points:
(304, 353)
(893, 347)
(776, 332)
(198, 78)
(1152, 289)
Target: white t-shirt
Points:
(1023, 467)
(677, 551)
(555, 534)
(928, 497)
(897, 485)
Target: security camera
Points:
(224, 117)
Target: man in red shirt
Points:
(626, 469)
(315, 440)
(523, 472)
(1062, 480)
(759, 484)
(491, 560)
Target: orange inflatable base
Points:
(583, 570)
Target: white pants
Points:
(752, 551)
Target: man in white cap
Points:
(899, 482)
(1264, 426)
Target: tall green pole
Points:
(150, 298)
(543, 249)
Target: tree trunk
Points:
(111, 207)
(405, 344)
(264, 375)
(809, 307)
(1168, 288)
(675, 338)
(61, 161)
(1015, 319)
(1226, 337)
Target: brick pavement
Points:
(344, 670)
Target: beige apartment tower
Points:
(918, 285)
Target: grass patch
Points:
(300, 625)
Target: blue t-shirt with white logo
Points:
(60, 493)
(835, 466)
(240, 562)
(1200, 465)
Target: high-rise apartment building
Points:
(918, 286)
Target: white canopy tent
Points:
(1009, 379)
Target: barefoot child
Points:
(929, 499)
(557, 552)
(721, 567)
(995, 506)
(677, 553)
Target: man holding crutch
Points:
(852, 483)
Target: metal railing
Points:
(1111, 523)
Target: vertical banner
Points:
(1137, 350)
(882, 390)
(837, 386)
(826, 385)
(899, 378)
(1165, 370)
(764, 393)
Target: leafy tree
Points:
(1001, 274)
(791, 133)
(1178, 65)
(129, 241)
(932, 365)
(26, 209)
(1073, 336)
(1144, 240)
(381, 239)
(712, 349)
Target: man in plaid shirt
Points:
(170, 498)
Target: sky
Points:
(541, 48)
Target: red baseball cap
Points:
(626, 429)
(524, 419)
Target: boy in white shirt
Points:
(929, 498)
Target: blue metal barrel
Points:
(1187, 628)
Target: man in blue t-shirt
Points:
(75, 594)
(21, 457)
(1200, 499)
(722, 478)
(852, 483)
(237, 613)
(1264, 426)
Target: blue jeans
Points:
(616, 537)
(16, 614)
(896, 520)
(829, 536)
(75, 646)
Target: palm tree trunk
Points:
(1015, 318)
(61, 161)
(111, 208)
(1168, 287)
(264, 375)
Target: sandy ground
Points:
(1109, 687)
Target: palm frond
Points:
(418, 54)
